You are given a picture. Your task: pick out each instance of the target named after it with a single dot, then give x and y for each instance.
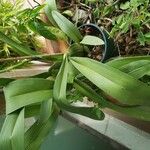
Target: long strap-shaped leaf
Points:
(38, 131)
(15, 66)
(91, 112)
(60, 85)
(139, 112)
(25, 92)
(86, 90)
(19, 48)
(134, 65)
(67, 27)
(51, 5)
(12, 133)
(117, 63)
(39, 27)
(137, 69)
(140, 72)
(113, 82)
(46, 110)
(59, 94)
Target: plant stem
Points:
(50, 57)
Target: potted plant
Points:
(121, 84)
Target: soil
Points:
(127, 42)
(96, 52)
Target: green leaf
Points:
(48, 10)
(59, 94)
(72, 72)
(140, 72)
(121, 86)
(39, 27)
(46, 110)
(138, 112)
(60, 85)
(24, 92)
(134, 65)
(43, 75)
(67, 27)
(12, 133)
(76, 49)
(92, 1)
(91, 112)
(68, 13)
(19, 48)
(137, 69)
(16, 65)
(87, 91)
(92, 40)
(125, 5)
(147, 35)
(32, 110)
(121, 61)
(52, 4)
(36, 11)
(38, 132)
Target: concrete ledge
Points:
(115, 129)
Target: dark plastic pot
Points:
(109, 49)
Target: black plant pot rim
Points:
(108, 51)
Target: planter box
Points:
(68, 136)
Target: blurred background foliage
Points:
(128, 21)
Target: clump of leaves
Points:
(128, 21)
(125, 80)
(133, 23)
(14, 24)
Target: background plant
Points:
(127, 21)
(14, 23)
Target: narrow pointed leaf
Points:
(18, 132)
(134, 65)
(91, 112)
(113, 82)
(39, 27)
(117, 63)
(92, 40)
(67, 27)
(51, 5)
(140, 72)
(6, 132)
(59, 91)
(46, 110)
(25, 92)
(38, 132)
(140, 112)
(12, 133)
(32, 110)
(19, 48)
(59, 94)
(137, 69)
(15, 66)
(88, 92)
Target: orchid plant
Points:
(121, 84)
